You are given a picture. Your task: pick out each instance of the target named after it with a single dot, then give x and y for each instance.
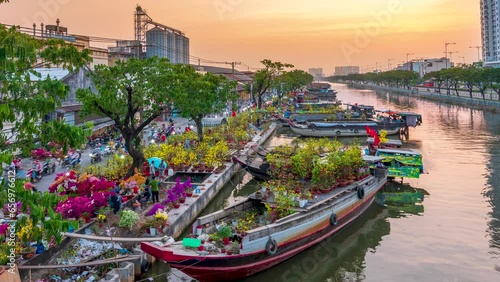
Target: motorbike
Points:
(17, 164)
(95, 156)
(48, 167)
(66, 161)
(108, 150)
(74, 161)
(35, 173)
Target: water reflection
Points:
(492, 189)
(340, 257)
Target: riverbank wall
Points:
(475, 102)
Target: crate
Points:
(191, 242)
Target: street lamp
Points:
(389, 64)
(477, 47)
(408, 54)
(446, 51)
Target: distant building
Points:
(345, 70)
(317, 73)
(99, 55)
(425, 66)
(166, 44)
(124, 50)
(490, 32)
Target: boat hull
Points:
(236, 267)
(339, 131)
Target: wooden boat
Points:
(270, 243)
(402, 162)
(389, 144)
(257, 166)
(342, 128)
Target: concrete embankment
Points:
(211, 186)
(475, 102)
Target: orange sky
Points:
(313, 33)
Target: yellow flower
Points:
(101, 217)
(161, 216)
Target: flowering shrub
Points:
(155, 208)
(172, 198)
(161, 215)
(6, 207)
(65, 182)
(77, 206)
(3, 229)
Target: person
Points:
(145, 196)
(163, 137)
(115, 202)
(154, 189)
(30, 186)
(163, 128)
(187, 145)
(152, 169)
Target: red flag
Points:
(370, 131)
(233, 113)
(376, 140)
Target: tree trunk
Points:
(199, 128)
(134, 151)
(259, 104)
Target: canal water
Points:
(452, 235)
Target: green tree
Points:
(27, 97)
(202, 95)
(266, 78)
(436, 77)
(132, 93)
(295, 79)
(493, 78)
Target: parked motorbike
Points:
(95, 156)
(108, 150)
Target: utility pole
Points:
(446, 52)
(478, 57)
(233, 64)
(389, 64)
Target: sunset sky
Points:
(313, 33)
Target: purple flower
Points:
(155, 208)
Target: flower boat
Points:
(386, 144)
(401, 162)
(282, 229)
(257, 166)
(342, 128)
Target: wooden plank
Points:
(92, 263)
(113, 239)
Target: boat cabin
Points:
(402, 162)
(358, 110)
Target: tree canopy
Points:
(26, 97)
(295, 79)
(133, 93)
(203, 94)
(266, 78)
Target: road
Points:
(44, 183)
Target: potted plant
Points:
(128, 218)
(224, 233)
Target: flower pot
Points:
(226, 241)
(229, 253)
(152, 231)
(343, 183)
(176, 206)
(199, 230)
(223, 251)
(302, 203)
(325, 191)
(201, 248)
(182, 200)
(189, 194)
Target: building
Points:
(124, 50)
(99, 55)
(490, 34)
(425, 66)
(166, 44)
(345, 70)
(317, 73)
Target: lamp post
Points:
(407, 62)
(446, 52)
(389, 64)
(478, 57)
